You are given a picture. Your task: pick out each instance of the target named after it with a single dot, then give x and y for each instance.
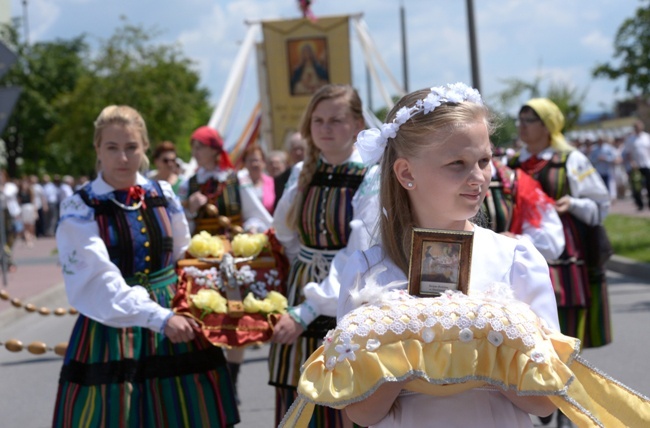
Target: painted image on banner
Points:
(308, 65)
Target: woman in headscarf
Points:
(581, 200)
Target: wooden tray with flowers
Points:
(235, 293)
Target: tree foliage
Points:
(72, 86)
(632, 50)
(43, 71)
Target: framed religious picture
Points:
(308, 65)
(440, 261)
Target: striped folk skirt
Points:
(285, 360)
(581, 290)
(134, 377)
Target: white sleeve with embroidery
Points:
(94, 285)
(322, 299)
(589, 196)
(287, 236)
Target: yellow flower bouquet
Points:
(249, 245)
(205, 245)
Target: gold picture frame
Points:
(440, 261)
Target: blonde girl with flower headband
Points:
(435, 168)
(328, 210)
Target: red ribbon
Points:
(136, 193)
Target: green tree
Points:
(44, 71)
(129, 69)
(632, 50)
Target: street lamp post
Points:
(476, 79)
(404, 53)
(25, 22)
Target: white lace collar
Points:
(101, 187)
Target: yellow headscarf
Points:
(553, 119)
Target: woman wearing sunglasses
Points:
(165, 160)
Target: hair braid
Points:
(307, 173)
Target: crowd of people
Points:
(623, 162)
(342, 200)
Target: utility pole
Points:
(405, 67)
(473, 49)
(25, 22)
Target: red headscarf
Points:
(211, 138)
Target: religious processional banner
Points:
(300, 56)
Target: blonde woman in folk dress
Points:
(131, 362)
(328, 210)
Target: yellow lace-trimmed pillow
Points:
(450, 344)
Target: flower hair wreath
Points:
(372, 142)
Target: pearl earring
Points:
(410, 185)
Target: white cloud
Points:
(598, 42)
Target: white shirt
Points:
(638, 149)
(94, 284)
(10, 191)
(39, 196)
(51, 193)
(322, 297)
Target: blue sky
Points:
(559, 40)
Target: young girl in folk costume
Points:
(435, 171)
(131, 361)
(581, 199)
(328, 208)
(213, 192)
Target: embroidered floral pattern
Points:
(538, 357)
(71, 262)
(327, 341)
(346, 350)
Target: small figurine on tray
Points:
(233, 289)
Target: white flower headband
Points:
(372, 142)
